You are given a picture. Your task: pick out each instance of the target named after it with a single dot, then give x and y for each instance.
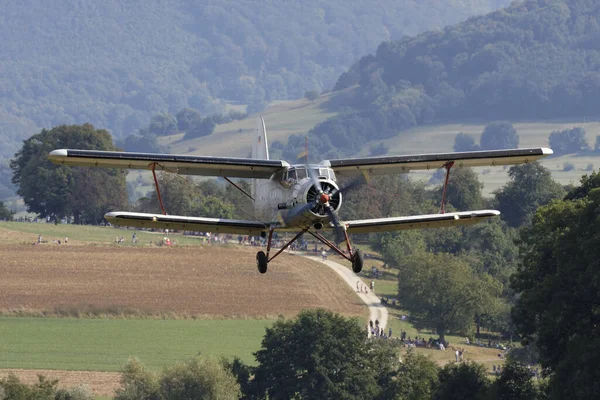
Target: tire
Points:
(357, 261)
(261, 262)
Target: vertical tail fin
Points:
(260, 149)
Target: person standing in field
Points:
(373, 286)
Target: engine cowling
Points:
(314, 196)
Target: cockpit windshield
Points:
(299, 173)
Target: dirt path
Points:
(376, 310)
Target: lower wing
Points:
(419, 221)
(198, 224)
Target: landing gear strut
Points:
(355, 257)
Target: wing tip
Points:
(58, 153)
(546, 151)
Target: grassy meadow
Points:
(440, 138)
(106, 344)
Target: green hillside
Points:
(535, 60)
(114, 63)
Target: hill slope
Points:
(114, 63)
(534, 60)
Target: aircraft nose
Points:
(324, 198)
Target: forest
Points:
(535, 60)
(116, 64)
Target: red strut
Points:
(443, 206)
(162, 206)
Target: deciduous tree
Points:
(442, 293)
(559, 294)
(530, 187)
(58, 191)
(499, 135)
(5, 213)
(316, 355)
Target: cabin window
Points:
(291, 175)
(301, 173)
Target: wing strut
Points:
(448, 166)
(162, 206)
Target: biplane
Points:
(302, 198)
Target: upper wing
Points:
(197, 224)
(419, 221)
(401, 164)
(182, 164)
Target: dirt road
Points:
(376, 310)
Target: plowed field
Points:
(212, 281)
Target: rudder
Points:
(260, 149)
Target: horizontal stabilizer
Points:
(419, 221)
(197, 224)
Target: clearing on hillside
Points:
(212, 281)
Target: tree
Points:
(57, 191)
(5, 213)
(464, 190)
(515, 383)
(442, 293)
(415, 377)
(464, 142)
(530, 187)
(312, 95)
(588, 183)
(568, 141)
(396, 246)
(316, 355)
(162, 125)
(187, 118)
(198, 378)
(182, 196)
(203, 127)
(137, 382)
(559, 298)
(499, 135)
(467, 380)
(14, 389)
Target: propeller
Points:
(323, 204)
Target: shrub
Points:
(312, 95)
(568, 167)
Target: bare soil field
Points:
(211, 281)
(206, 281)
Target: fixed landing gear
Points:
(261, 262)
(357, 261)
(356, 257)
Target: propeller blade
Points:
(339, 230)
(315, 178)
(347, 186)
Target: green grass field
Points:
(440, 139)
(105, 345)
(235, 139)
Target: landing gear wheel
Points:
(261, 262)
(357, 261)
